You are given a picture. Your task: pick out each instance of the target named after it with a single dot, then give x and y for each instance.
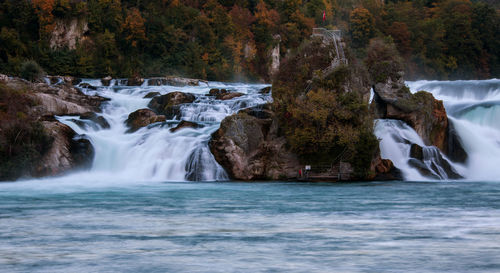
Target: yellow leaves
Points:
(134, 27)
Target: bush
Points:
(31, 71)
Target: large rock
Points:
(249, 148)
(229, 96)
(421, 111)
(174, 81)
(97, 119)
(142, 118)
(384, 170)
(106, 81)
(135, 81)
(169, 104)
(185, 124)
(67, 152)
(437, 166)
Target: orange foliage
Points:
(44, 9)
(134, 27)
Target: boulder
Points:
(185, 124)
(384, 170)
(135, 81)
(169, 104)
(106, 81)
(265, 90)
(67, 152)
(4, 78)
(229, 96)
(249, 148)
(100, 120)
(216, 92)
(87, 86)
(437, 166)
(173, 81)
(142, 118)
(151, 95)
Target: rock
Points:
(68, 32)
(87, 86)
(136, 81)
(265, 90)
(216, 92)
(100, 120)
(169, 104)
(454, 148)
(157, 81)
(65, 152)
(437, 163)
(421, 111)
(4, 78)
(229, 96)
(185, 124)
(106, 81)
(384, 170)
(142, 118)
(249, 148)
(151, 95)
(416, 152)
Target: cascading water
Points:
(154, 153)
(473, 107)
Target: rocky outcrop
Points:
(421, 111)
(48, 147)
(142, 118)
(384, 170)
(185, 124)
(68, 32)
(169, 104)
(61, 99)
(437, 167)
(174, 81)
(223, 94)
(247, 145)
(265, 90)
(106, 81)
(151, 95)
(135, 81)
(68, 152)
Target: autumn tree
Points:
(361, 27)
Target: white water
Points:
(474, 109)
(154, 153)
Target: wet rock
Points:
(185, 124)
(87, 86)
(136, 81)
(454, 148)
(100, 120)
(169, 104)
(384, 170)
(67, 152)
(106, 81)
(151, 95)
(265, 90)
(422, 168)
(229, 96)
(142, 118)
(216, 92)
(416, 152)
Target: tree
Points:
(361, 27)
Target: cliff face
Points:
(33, 142)
(68, 32)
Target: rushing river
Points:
(250, 227)
(134, 210)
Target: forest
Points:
(232, 39)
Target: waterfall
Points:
(154, 153)
(473, 107)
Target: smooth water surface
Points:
(250, 227)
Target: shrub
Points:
(31, 71)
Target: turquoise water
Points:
(250, 227)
